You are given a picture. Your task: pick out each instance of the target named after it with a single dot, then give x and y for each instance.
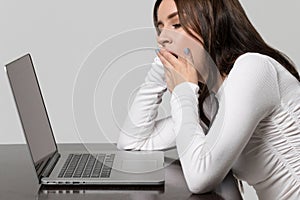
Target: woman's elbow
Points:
(123, 145)
(127, 144)
(199, 185)
(198, 189)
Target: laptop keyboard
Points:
(87, 166)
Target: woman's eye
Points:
(177, 26)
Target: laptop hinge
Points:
(50, 165)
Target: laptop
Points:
(73, 168)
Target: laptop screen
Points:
(31, 108)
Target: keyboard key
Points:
(97, 169)
(89, 167)
(72, 165)
(81, 166)
(64, 168)
(106, 171)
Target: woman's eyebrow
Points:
(174, 14)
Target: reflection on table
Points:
(18, 180)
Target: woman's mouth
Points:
(175, 55)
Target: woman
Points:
(255, 129)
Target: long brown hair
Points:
(227, 33)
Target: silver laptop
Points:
(75, 168)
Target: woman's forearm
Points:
(141, 130)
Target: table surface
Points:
(19, 181)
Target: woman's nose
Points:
(164, 38)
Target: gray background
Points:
(73, 44)
(63, 35)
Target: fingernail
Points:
(157, 50)
(186, 51)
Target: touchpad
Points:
(139, 166)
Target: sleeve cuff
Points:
(185, 89)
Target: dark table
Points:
(18, 179)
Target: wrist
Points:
(187, 87)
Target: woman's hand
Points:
(178, 70)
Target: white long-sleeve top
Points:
(255, 132)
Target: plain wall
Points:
(64, 37)
(91, 56)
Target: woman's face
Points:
(175, 39)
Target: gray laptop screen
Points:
(31, 108)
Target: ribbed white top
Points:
(256, 131)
